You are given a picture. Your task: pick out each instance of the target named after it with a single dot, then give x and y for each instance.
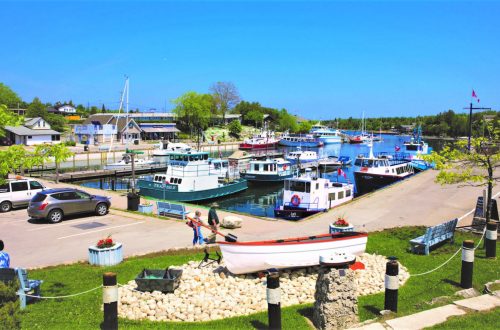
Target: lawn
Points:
(83, 312)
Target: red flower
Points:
(105, 243)
(341, 223)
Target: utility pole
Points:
(470, 121)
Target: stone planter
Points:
(338, 229)
(145, 208)
(106, 257)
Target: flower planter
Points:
(145, 208)
(340, 229)
(107, 256)
(158, 280)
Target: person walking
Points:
(213, 218)
(4, 257)
(195, 223)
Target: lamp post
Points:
(470, 121)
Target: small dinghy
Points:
(251, 257)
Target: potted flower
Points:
(106, 252)
(146, 207)
(340, 225)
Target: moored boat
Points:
(126, 163)
(300, 141)
(251, 257)
(264, 140)
(307, 195)
(325, 134)
(161, 153)
(268, 170)
(189, 178)
(300, 156)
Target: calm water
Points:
(261, 199)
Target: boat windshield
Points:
(298, 186)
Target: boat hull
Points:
(158, 191)
(368, 182)
(330, 139)
(251, 257)
(252, 177)
(301, 143)
(295, 213)
(249, 146)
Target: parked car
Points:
(18, 193)
(55, 204)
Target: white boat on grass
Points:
(126, 163)
(251, 257)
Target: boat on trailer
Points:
(251, 257)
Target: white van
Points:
(18, 193)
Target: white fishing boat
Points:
(163, 150)
(266, 139)
(307, 195)
(325, 134)
(268, 170)
(301, 156)
(251, 257)
(219, 166)
(126, 163)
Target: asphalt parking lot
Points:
(37, 243)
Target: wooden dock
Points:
(99, 174)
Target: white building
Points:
(34, 131)
(62, 109)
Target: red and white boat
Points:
(265, 140)
(251, 257)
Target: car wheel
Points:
(55, 216)
(5, 206)
(101, 209)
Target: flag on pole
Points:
(340, 172)
(474, 95)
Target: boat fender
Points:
(295, 200)
(284, 167)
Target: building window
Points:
(29, 136)
(56, 137)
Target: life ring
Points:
(284, 167)
(295, 200)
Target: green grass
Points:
(474, 320)
(84, 312)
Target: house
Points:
(158, 131)
(63, 109)
(34, 131)
(224, 120)
(102, 128)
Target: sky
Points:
(317, 59)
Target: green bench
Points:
(433, 236)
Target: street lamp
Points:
(470, 121)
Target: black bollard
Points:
(112, 184)
(391, 285)
(490, 239)
(110, 300)
(273, 299)
(467, 264)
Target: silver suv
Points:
(54, 204)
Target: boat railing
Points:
(302, 205)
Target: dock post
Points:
(490, 240)
(391, 285)
(273, 299)
(100, 183)
(467, 264)
(110, 301)
(112, 184)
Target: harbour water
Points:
(261, 199)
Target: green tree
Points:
(36, 109)
(103, 109)
(234, 128)
(193, 110)
(255, 116)
(477, 167)
(9, 306)
(8, 97)
(8, 118)
(304, 127)
(225, 96)
(60, 153)
(93, 110)
(287, 122)
(57, 122)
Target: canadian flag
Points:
(340, 172)
(474, 95)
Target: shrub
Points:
(70, 143)
(234, 128)
(9, 306)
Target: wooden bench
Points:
(171, 209)
(433, 236)
(26, 286)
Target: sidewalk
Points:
(438, 315)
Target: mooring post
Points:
(110, 300)
(113, 184)
(391, 285)
(467, 264)
(273, 299)
(490, 239)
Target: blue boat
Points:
(300, 141)
(189, 178)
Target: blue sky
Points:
(316, 59)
